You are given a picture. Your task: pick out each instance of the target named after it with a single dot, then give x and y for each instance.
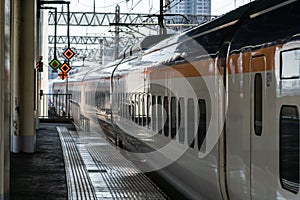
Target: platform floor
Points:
(77, 165)
(40, 175)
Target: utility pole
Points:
(117, 32)
(94, 6)
(162, 29)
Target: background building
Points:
(189, 7)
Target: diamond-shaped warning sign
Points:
(65, 68)
(62, 75)
(69, 53)
(55, 64)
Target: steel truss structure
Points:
(134, 19)
(80, 52)
(83, 40)
(176, 22)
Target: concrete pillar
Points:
(38, 77)
(44, 50)
(4, 97)
(27, 77)
(15, 142)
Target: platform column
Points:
(15, 142)
(44, 53)
(4, 97)
(27, 71)
(37, 73)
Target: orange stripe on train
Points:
(238, 63)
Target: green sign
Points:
(55, 64)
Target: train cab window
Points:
(154, 113)
(258, 104)
(289, 148)
(173, 117)
(191, 122)
(202, 123)
(181, 120)
(290, 64)
(166, 116)
(159, 114)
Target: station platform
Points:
(77, 165)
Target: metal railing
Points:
(79, 119)
(55, 106)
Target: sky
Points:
(219, 7)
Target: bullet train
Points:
(213, 111)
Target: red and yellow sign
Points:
(65, 68)
(62, 75)
(69, 53)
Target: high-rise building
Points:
(189, 7)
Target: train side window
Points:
(191, 122)
(202, 123)
(145, 109)
(258, 104)
(159, 114)
(142, 110)
(124, 105)
(129, 114)
(154, 113)
(290, 64)
(181, 120)
(148, 117)
(133, 107)
(289, 148)
(127, 106)
(173, 117)
(120, 104)
(166, 116)
(137, 108)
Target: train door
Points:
(258, 138)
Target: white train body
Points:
(215, 110)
